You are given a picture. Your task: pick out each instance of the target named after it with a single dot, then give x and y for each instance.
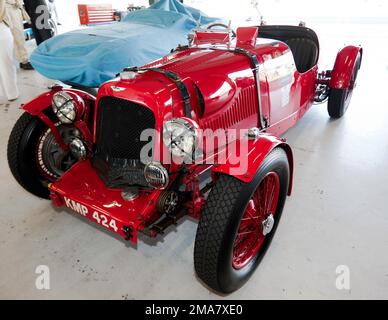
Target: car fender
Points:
(343, 67)
(43, 101)
(256, 151)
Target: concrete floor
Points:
(337, 214)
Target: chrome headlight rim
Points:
(165, 176)
(188, 124)
(65, 116)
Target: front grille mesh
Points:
(119, 126)
(118, 146)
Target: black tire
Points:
(21, 155)
(220, 221)
(339, 99)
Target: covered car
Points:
(91, 56)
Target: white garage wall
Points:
(274, 11)
(287, 11)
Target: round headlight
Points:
(180, 136)
(64, 107)
(156, 175)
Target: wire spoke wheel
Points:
(238, 223)
(257, 221)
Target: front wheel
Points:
(34, 156)
(238, 223)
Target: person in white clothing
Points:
(17, 15)
(8, 80)
(53, 10)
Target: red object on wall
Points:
(95, 13)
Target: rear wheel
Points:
(34, 156)
(339, 99)
(238, 223)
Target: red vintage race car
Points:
(194, 133)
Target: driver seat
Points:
(305, 53)
(302, 41)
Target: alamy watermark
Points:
(42, 21)
(342, 281)
(42, 281)
(211, 147)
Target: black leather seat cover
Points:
(305, 53)
(303, 43)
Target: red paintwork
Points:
(212, 37)
(85, 102)
(82, 184)
(54, 130)
(250, 238)
(229, 89)
(257, 151)
(246, 37)
(343, 67)
(43, 101)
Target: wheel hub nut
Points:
(268, 224)
(78, 149)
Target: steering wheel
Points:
(211, 26)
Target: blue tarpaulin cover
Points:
(94, 55)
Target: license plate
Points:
(93, 215)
